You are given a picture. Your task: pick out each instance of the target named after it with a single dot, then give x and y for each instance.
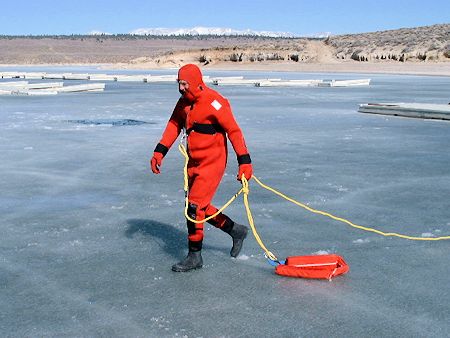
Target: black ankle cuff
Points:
(195, 246)
(228, 226)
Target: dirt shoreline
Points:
(424, 69)
(429, 69)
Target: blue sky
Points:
(301, 17)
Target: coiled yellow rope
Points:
(182, 149)
(245, 190)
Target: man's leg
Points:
(195, 239)
(237, 231)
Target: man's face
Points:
(183, 86)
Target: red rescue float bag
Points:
(317, 266)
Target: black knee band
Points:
(192, 213)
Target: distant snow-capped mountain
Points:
(321, 35)
(208, 31)
(96, 32)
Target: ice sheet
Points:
(89, 234)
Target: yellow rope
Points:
(182, 149)
(269, 254)
(245, 189)
(393, 234)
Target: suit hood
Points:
(193, 75)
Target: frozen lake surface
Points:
(89, 234)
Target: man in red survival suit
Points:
(207, 118)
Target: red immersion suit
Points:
(207, 117)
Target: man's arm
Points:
(227, 121)
(170, 134)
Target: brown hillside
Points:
(409, 44)
(421, 44)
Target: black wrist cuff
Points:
(161, 148)
(244, 159)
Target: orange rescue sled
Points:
(317, 266)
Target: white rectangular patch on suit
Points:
(216, 104)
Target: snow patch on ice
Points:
(427, 234)
(339, 188)
(361, 241)
(75, 243)
(321, 252)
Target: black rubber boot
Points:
(192, 261)
(238, 232)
